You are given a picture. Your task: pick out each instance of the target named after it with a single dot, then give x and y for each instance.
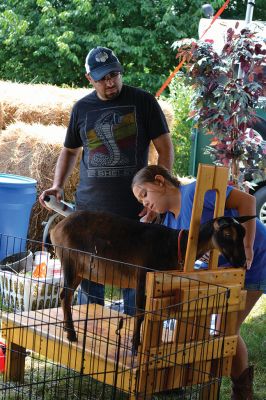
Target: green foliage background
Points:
(237, 10)
(47, 40)
(180, 98)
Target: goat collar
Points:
(179, 252)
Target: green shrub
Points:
(180, 98)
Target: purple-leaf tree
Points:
(225, 98)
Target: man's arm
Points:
(65, 164)
(165, 149)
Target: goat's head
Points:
(228, 237)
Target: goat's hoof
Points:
(71, 335)
(134, 350)
(135, 346)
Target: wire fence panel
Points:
(186, 342)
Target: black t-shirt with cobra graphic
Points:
(115, 136)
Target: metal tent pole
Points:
(249, 11)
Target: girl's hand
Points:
(249, 256)
(147, 215)
(245, 204)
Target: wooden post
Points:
(15, 356)
(209, 178)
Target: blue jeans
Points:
(92, 292)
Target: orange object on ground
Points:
(40, 271)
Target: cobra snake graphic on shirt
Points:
(104, 130)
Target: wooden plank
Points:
(229, 323)
(41, 319)
(170, 354)
(210, 291)
(197, 373)
(14, 362)
(184, 330)
(151, 382)
(101, 346)
(205, 176)
(219, 184)
(227, 366)
(176, 377)
(202, 327)
(162, 310)
(210, 391)
(190, 295)
(99, 361)
(166, 283)
(209, 177)
(100, 333)
(145, 380)
(187, 375)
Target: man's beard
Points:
(113, 95)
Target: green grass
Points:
(253, 332)
(112, 293)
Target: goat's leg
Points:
(140, 306)
(66, 296)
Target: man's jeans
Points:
(91, 292)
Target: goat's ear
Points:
(223, 222)
(245, 218)
(220, 223)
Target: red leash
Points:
(179, 252)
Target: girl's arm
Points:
(245, 204)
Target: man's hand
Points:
(55, 191)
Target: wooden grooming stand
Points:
(195, 353)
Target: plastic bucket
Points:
(17, 196)
(2, 357)
(17, 263)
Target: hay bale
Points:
(32, 150)
(168, 112)
(46, 104)
(169, 115)
(38, 103)
(1, 117)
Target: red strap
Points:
(217, 15)
(179, 252)
(168, 80)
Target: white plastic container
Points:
(62, 207)
(23, 293)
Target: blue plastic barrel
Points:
(17, 196)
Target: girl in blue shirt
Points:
(161, 192)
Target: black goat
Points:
(108, 237)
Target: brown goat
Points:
(100, 238)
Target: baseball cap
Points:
(101, 61)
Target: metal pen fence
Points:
(184, 349)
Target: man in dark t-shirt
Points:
(113, 126)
